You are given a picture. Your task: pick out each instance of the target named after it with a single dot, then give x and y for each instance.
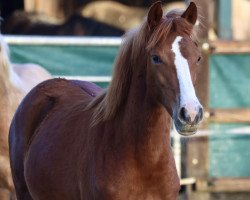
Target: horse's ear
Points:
(154, 15)
(191, 13)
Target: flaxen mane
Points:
(135, 43)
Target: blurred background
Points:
(79, 39)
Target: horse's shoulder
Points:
(45, 99)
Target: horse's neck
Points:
(141, 141)
(148, 123)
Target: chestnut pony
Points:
(69, 140)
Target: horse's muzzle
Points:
(186, 122)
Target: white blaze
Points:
(188, 97)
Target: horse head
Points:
(173, 60)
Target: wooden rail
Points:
(241, 115)
(229, 47)
(224, 185)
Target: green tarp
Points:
(68, 60)
(229, 150)
(230, 81)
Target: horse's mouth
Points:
(185, 129)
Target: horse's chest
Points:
(139, 186)
(146, 193)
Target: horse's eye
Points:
(199, 59)
(156, 59)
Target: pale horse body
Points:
(16, 80)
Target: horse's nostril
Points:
(200, 113)
(183, 115)
(199, 116)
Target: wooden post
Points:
(240, 20)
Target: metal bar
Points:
(96, 79)
(188, 181)
(202, 133)
(177, 150)
(63, 40)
